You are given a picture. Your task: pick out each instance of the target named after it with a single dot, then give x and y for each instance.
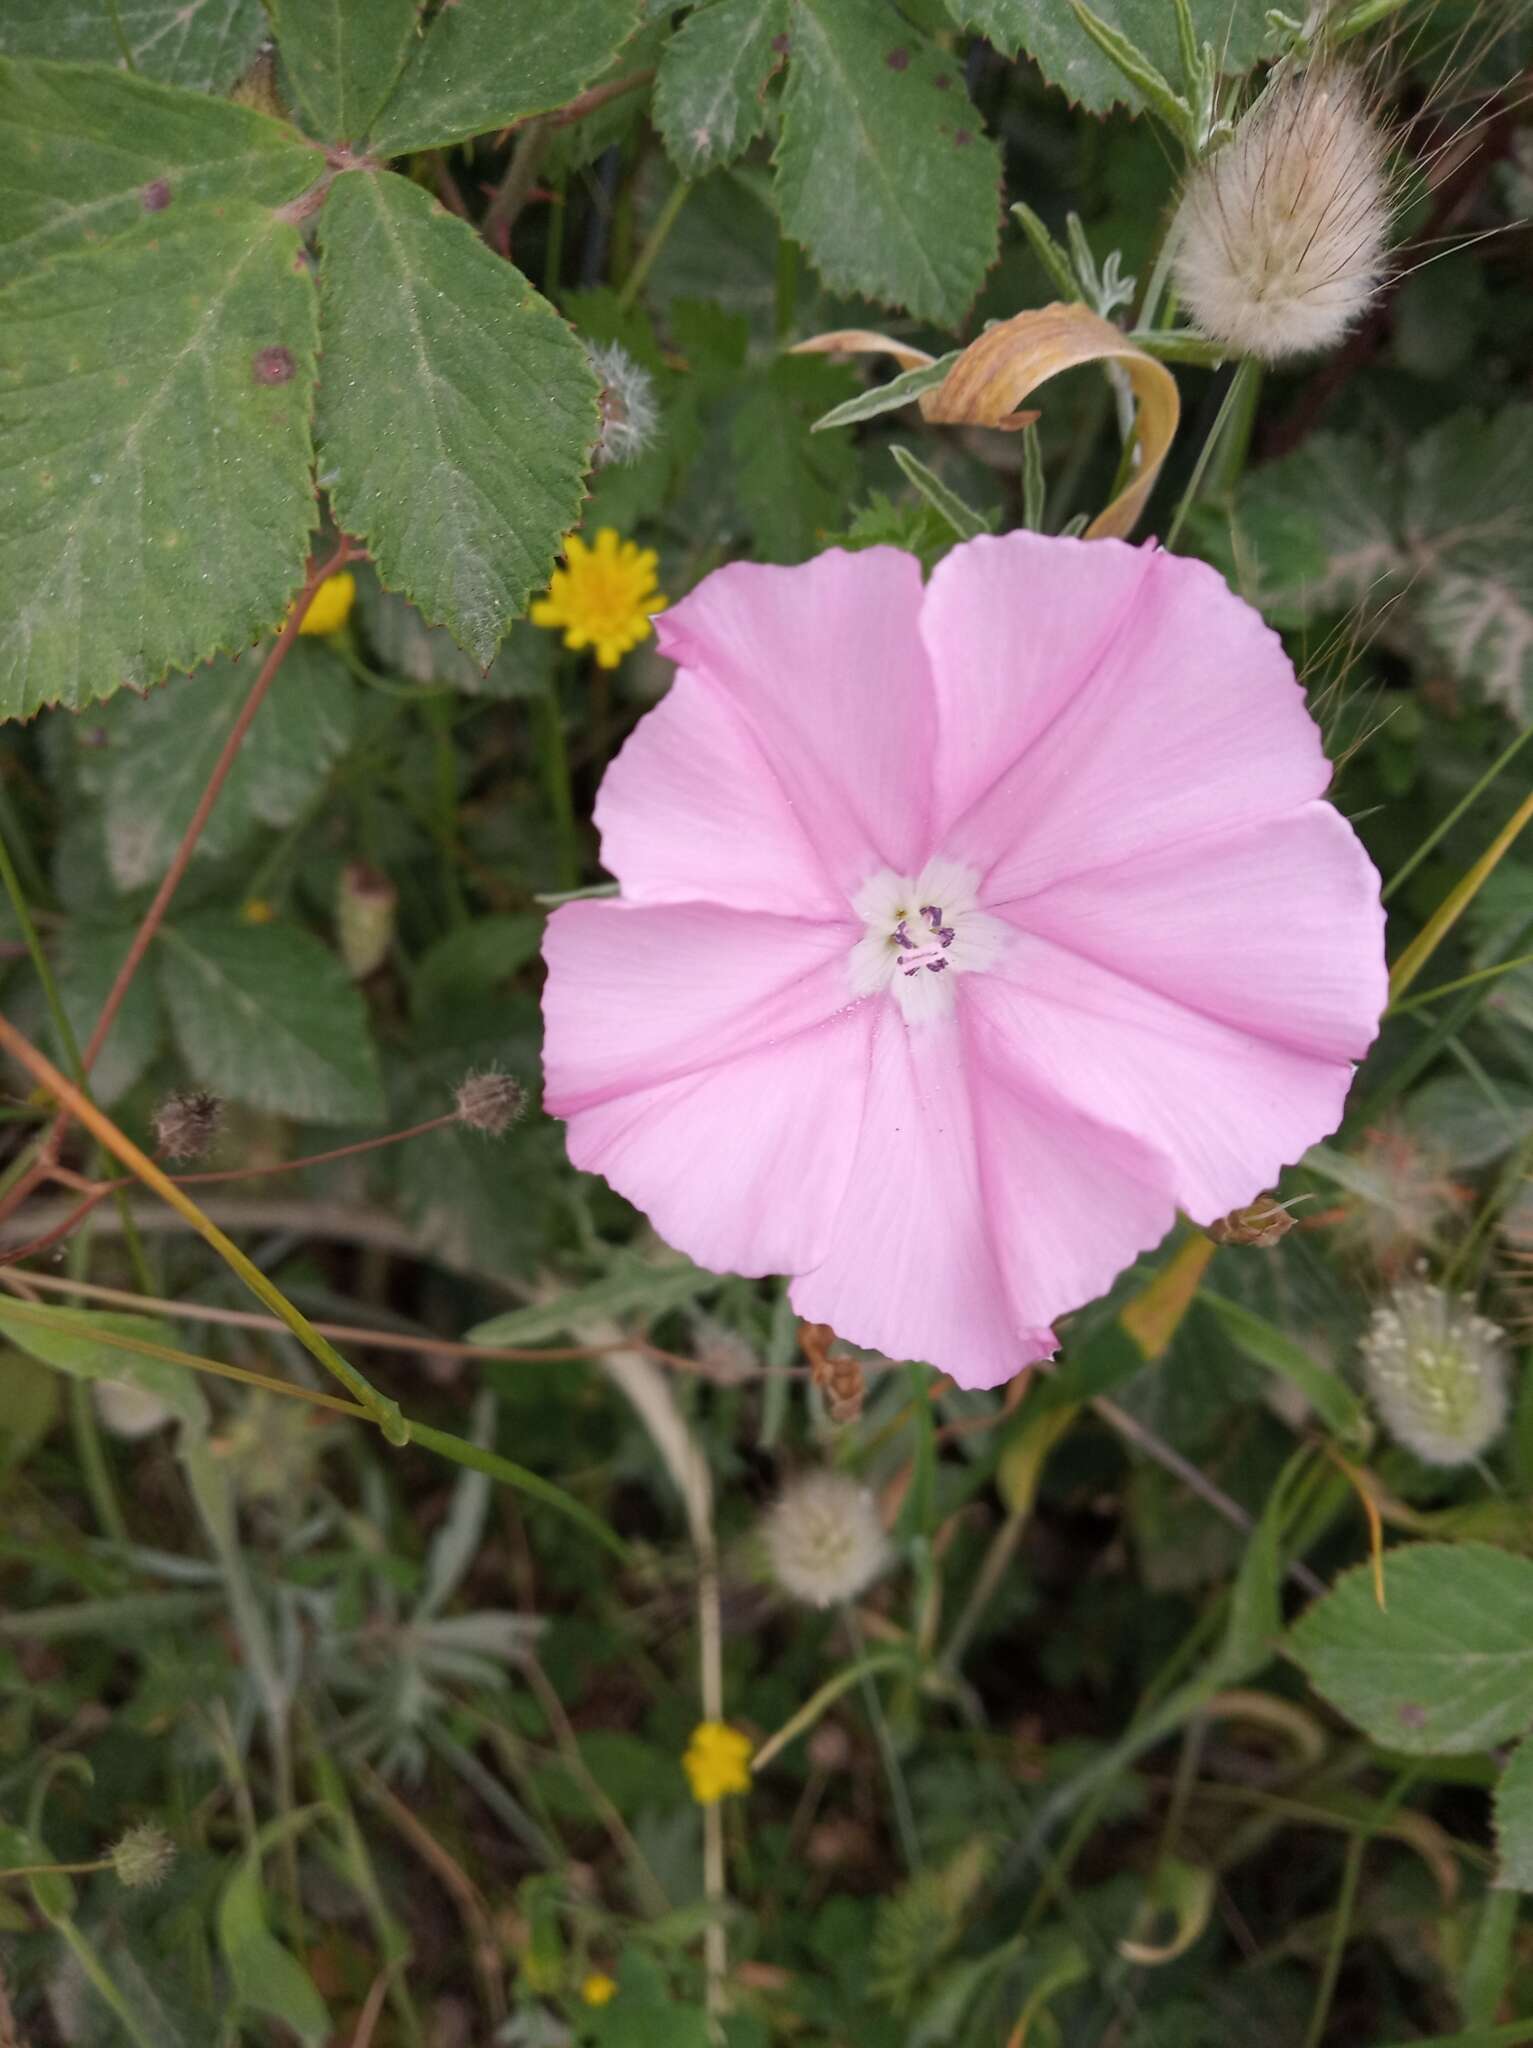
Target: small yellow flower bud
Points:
(331, 604)
(599, 1989)
(603, 597)
(717, 1762)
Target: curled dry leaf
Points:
(989, 381)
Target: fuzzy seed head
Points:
(186, 1123)
(129, 1412)
(630, 417)
(1281, 234)
(824, 1540)
(490, 1102)
(1437, 1372)
(143, 1857)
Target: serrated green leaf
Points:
(343, 58)
(1446, 1666)
(87, 154)
(883, 171)
(1316, 532)
(456, 413)
(1144, 77)
(78, 1342)
(471, 961)
(1066, 55)
(89, 956)
(203, 45)
(791, 486)
(1469, 528)
(265, 1014)
(160, 499)
(1514, 1818)
(483, 66)
(710, 89)
(163, 749)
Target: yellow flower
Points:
(603, 596)
(332, 604)
(717, 1762)
(258, 911)
(598, 1989)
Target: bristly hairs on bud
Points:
(143, 1857)
(824, 1540)
(630, 415)
(1437, 1372)
(186, 1123)
(1281, 234)
(490, 1102)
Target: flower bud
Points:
(490, 1102)
(1437, 1373)
(629, 414)
(1264, 1222)
(364, 918)
(186, 1123)
(1280, 235)
(824, 1540)
(143, 1857)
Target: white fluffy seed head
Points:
(824, 1540)
(1437, 1373)
(1281, 234)
(129, 1412)
(629, 415)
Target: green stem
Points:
(1341, 1924)
(94, 1468)
(786, 287)
(101, 1980)
(825, 1696)
(554, 767)
(1450, 988)
(904, 1814)
(1247, 372)
(654, 242)
(461, 1452)
(439, 718)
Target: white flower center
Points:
(921, 935)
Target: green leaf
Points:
(482, 66)
(267, 1978)
(889, 397)
(963, 519)
(78, 1342)
(265, 1014)
(1145, 79)
(1068, 58)
(87, 154)
(160, 499)
(1514, 1818)
(883, 172)
(1468, 525)
(1328, 1395)
(710, 90)
(30, 1409)
(201, 44)
(89, 956)
(1446, 1667)
(457, 409)
(472, 961)
(343, 58)
(792, 488)
(1315, 532)
(163, 749)
(631, 1288)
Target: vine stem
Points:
(1246, 372)
(383, 1412)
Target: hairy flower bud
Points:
(143, 1856)
(1280, 236)
(490, 1102)
(1437, 1373)
(186, 1123)
(629, 414)
(364, 918)
(824, 1540)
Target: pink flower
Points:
(966, 934)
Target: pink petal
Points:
(979, 1207)
(1176, 716)
(825, 665)
(1276, 929)
(690, 809)
(712, 1067)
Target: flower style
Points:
(603, 597)
(966, 933)
(717, 1762)
(330, 606)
